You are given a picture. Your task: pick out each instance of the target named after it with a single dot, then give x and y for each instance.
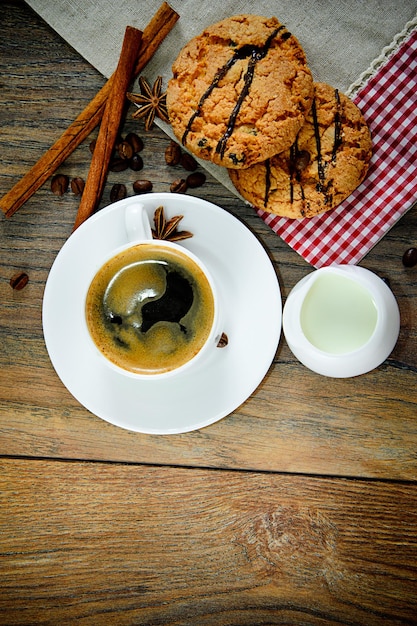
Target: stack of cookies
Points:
(242, 96)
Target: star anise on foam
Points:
(151, 102)
(167, 229)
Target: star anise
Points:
(167, 229)
(151, 102)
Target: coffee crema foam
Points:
(149, 309)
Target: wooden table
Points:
(298, 508)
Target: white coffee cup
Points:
(120, 339)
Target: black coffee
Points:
(150, 309)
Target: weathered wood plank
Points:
(110, 543)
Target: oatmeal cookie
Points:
(240, 91)
(327, 161)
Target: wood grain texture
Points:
(116, 544)
(296, 421)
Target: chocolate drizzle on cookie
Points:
(321, 168)
(299, 160)
(267, 181)
(254, 54)
(321, 164)
(337, 127)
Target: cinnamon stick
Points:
(109, 125)
(155, 32)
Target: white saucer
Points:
(252, 306)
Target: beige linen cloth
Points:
(341, 38)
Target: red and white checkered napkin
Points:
(388, 101)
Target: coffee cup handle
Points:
(137, 223)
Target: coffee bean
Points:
(196, 179)
(118, 165)
(223, 341)
(59, 184)
(19, 280)
(125, 150)
(142, 186)
(92, 145)
(136, 163)
(178, 186)
(173, 154)
(118, 192)
(188, 162)
(77, 186)
(135, 141)
(410, 257)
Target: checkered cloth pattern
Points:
(388, 101)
